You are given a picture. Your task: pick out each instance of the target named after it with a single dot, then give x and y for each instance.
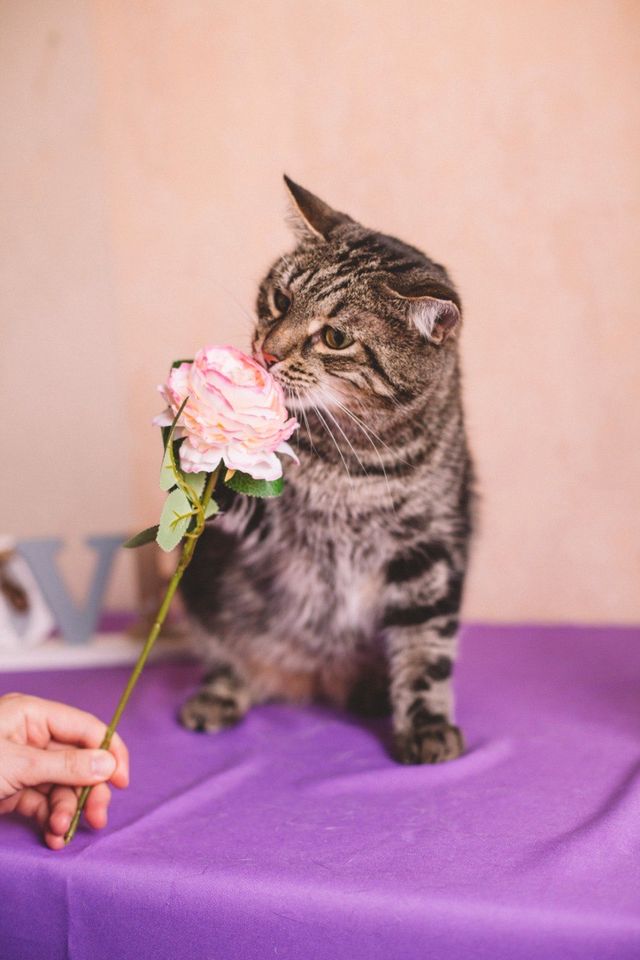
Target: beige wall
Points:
(141, 156)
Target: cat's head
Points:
(352, 314)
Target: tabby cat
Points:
(346, 589)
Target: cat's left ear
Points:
(313, 215)
(436, 318)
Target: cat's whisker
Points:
(364, 430)
(335, 442)
(375, 448)
(368, 432)
(363, 425)
(306, 423)
(329, 414)
(297, 394)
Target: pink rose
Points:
(235, 413)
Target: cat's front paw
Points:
(433, 743)
(208, 712)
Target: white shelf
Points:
(104, 650)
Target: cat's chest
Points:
(343, 574)
(355, 593)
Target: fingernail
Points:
(102, 764)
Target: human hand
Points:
(41, 763)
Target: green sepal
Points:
(244, 483)
(145, 536)
(174, 520)
(178, 363)
(168, 431)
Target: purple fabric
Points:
(117, 621)
(295, 835)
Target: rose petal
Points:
(235, 411)
(289, 451)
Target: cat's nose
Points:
(269, 359)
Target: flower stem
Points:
(185, 557)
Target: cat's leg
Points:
(222, 700)
(421, 621)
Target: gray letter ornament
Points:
(76, 624)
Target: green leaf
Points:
(174, 520)
(177, 363)
(196, 481)
(211, 509)
(145, 536)
(244, 483)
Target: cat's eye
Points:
(281, 302)
(335, 339)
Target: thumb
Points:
(71, 767)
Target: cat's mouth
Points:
(296, 388)
(297, 395)
(301, 393)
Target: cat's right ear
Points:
(436, 318)
(311, 215)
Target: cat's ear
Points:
(436, 318)
(312, 215)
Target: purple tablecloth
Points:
(295, 836)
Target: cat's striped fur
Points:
(347, 588)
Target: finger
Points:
(120, 777)
(8, 804)
(97, 806)
(28, 803)
(119, 749)
(44, 788)
(53, 841)
(70, 767)
(66, 724)
(71, 725)
(33, 804)
(62, 806)
(63, 802)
